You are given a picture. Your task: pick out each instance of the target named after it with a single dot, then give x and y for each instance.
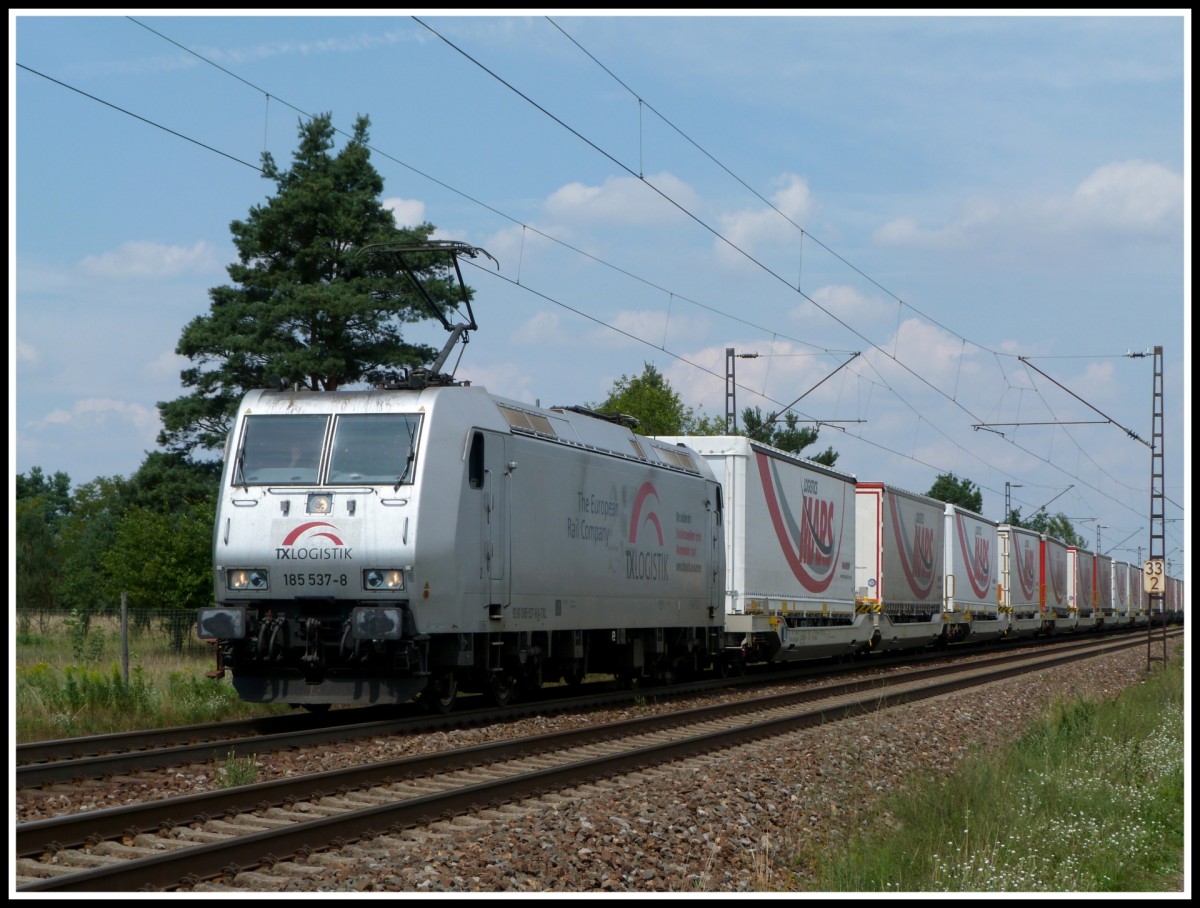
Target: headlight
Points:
(246, 579)
(383, 579)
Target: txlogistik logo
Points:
(313, 541)
(644, 526)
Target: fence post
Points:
(125, 636)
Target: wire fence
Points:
(175, 629)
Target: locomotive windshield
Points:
(281, 449)
(372, 448)
(366, 448)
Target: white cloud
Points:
(407, 212)
(146, 259)
(27, 353)
(1127, 199)
(1132, 196)
(847, 303)
(1097, 382)
(660, 327)
(96, 410)
(167, 364)
(503, 379)
(779, 374)
(641, 324)
(622, 200)
(754, 227)
(937, 356)
(511, 247)
(543, 329)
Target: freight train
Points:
(428, 537)
(376, 546)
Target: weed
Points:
(235, 771)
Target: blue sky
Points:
(961, 200)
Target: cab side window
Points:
(475, 462)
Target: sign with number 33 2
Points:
(1155, 576)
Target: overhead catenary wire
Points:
(895, 358)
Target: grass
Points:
(235, 771)
(1091, 800)
(70, 681)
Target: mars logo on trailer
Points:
(916, 553)
(1084, 576)
(1023, 555)
(1058, 574)
(812, 544)
(977, 558)
(316, 544)
(643, 565)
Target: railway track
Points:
(211, 838)
(70, 761)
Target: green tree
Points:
(162, 560)
(650, 399)
(168, 481)
(85, 537)
(1059, 526)
(54, 493)
(104, 515)
(962, 492)
(43, 504)
(308, 307)
(787, 437)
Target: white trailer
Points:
(1057, 607)
(1123, 602)
(899, 569)
(789, 552)
(1106, 616)
(1081, 581)
(972, 570)
(1020, 593)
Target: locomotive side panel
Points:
(600, 542)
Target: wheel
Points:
(630, 679)
(575, 674)
(441, 692)
(731, 665)
(500, 687)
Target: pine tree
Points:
(308, 305)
